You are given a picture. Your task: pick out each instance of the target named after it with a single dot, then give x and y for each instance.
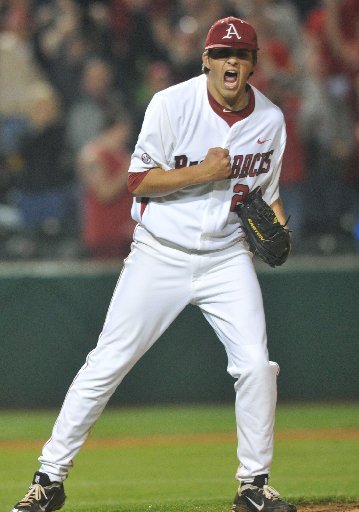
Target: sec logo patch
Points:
(146, 159)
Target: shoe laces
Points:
(270, 493)
(34, 494)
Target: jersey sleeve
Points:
(271, 191)
(155, 141)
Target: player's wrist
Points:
(204, 173)
(201, 174)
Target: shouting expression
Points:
(229, 70)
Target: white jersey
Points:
(180, 125)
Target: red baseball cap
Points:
(231, 33)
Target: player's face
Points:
(229, 70)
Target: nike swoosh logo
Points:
(258, 507)
(227, 110)
(259, 141)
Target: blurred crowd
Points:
(75, 80)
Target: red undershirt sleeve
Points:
(134, 179)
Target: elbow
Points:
(135, 193)
(134, 181)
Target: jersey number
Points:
(240, 195)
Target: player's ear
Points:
(205, 59)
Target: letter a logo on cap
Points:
(231, 31)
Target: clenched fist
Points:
(216, 165)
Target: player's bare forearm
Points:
(158, 182)
(278, 209)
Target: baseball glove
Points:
(267, 238)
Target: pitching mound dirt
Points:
(330, 507)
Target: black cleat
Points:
(251, 498)
(42, 496)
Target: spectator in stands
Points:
(18, 73)
(66, 34)
(157, 76)
(99, 102)
(18, 67)
(327, 118)
(45, 181)
(341, 33)
(342, 29)
(65, 66)
(103, 164)
(293, 176)
(135, 26)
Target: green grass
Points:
(163, 473)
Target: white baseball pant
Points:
(155, 285)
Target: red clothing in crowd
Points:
(108, 226)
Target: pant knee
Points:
(256, 371)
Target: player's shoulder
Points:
(264, 104)
(188, 88)
(180, 100)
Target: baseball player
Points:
(204, 145)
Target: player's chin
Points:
(230, 93)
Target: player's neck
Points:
(238, 104)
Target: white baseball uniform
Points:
(189, 249)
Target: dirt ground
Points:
(330, 507)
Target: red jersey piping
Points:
(233, 116)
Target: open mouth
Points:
(230, 79)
